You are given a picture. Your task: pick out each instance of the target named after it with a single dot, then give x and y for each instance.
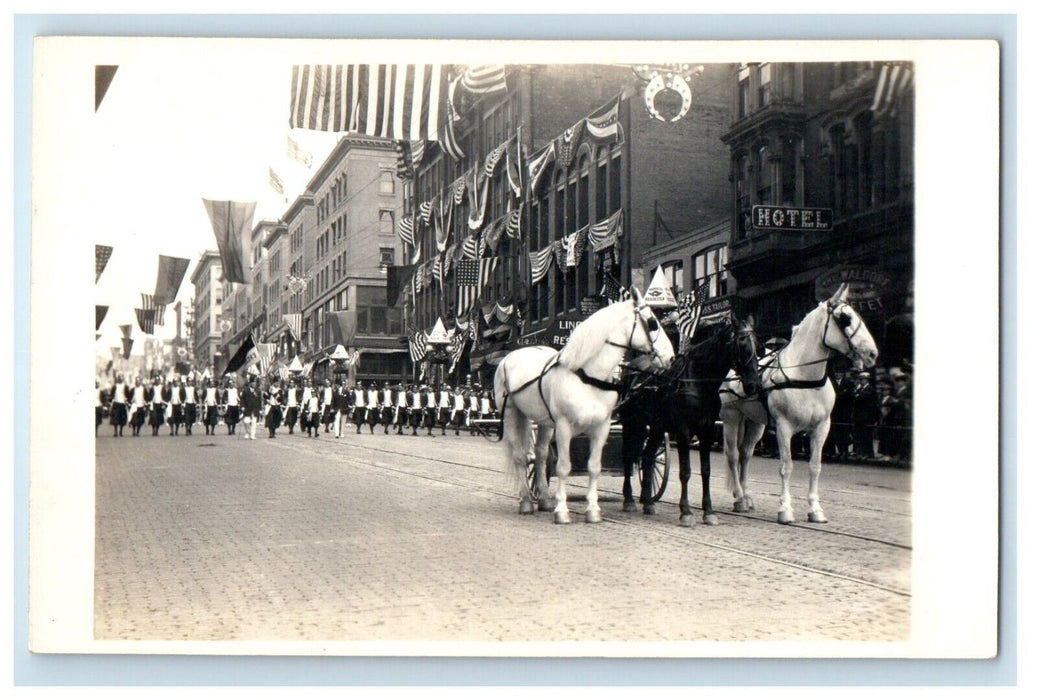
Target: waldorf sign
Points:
(792, 218)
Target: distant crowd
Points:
(183, 404)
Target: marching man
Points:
(312, 410)
(273, 420)
(445, 407)
(231, 400)
(374, 410)
(358, 405)
(189, 395)
(341, 400)
(430, 408)
(473, 410)
(211, 402)
(158, 406)
(415, 395)
(400, 419)
(458, 414)
(118, 411)
(171, 395)
(293, 394)
(387, 407)
(327, 406)
(252, 407)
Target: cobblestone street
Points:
(396, 538)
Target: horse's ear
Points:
(840, 294)
(637, 297)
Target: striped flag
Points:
(146, 320)
(470, 248)
(613, 290)
(540, 262)
(478, 197)
(604, 234)
(296, 153)
(148, 303)
(448, 138)
(604, 126)
(538, 164)
(480, 80)
(406, 230)
(514, 165)
(416, 346)
(493, 158)
(265, 353)
(689, 309)
(275, 181)
(294, 323)
(470, 278)
(398, 101)
(458, 190)
(425, 210)
(417, 153)
(513, 227)
(101, 255)
(893, 81)
(437, 270)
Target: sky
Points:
(168, 134)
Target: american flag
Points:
(470, 247)
(493, 158)
(471, 277)
(515, 218)
(266, 356)
(148, 303)
(448, 139)
(404, 102)
(540, 262)
(296, 153)
(146, 320)
(416, 345)
(483, 79)
(425, 209)
(613, 290)
(407, 229)
(275, 181)
(894, 80)
(689, 309)
(101, 255)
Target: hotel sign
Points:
(792, 218)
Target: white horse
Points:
(572, 392)
(798, 395)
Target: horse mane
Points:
(587, 338)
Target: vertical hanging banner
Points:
(231, 221)
(103, 76)
(126, 328)
(146, 320)
(127, 346)
(171, 274)
(101, 255)
(99, 315)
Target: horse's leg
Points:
(517, 432)
(545, 433)
(633, 439)
(752, 433)
(734, 425)
(685, 472)
(563, 434)
(706, 440)
(648, 465)
(597, 436)
(784, 435)
(818, 435)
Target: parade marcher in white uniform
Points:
(232, 401)
(304, 403)
(293, 395)
(473, 412)
(328, 411)
(430, 407)
(374, 409)
(486, 410)
(341, 406)
(211, 403)
(190, 397)
(388, 407)
(444, 406)
(415, 396)
(273, 401)
(252, 408)
(400, 417)
(158, 406)
(358, 406)
(458, 411)
(312, 409)
(119, 411)
(138, 407)
(170, 392)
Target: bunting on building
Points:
(470, 278)
(540, 263)
(417, 254)
(493, 158)
(231, 222)
(425, 210)
(895, 79)
(101, 255)
(477, 199)
(417, 152)
(513, 225)
(605, 233)
(405, 229)
(604, 125)
(514, 164)
(457, 189)
(171, 275)
(492, 236)
(485, 79)
(403, 102)
(575, 244)
(448, 136)
(538, 164)
(566, 144)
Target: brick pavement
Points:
(216, 538)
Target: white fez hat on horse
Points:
(659, 294)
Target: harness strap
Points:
(598, 383)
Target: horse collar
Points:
(598, 383)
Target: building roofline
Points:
(202, 264)
(344, 146)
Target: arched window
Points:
(708, 268)
(386, 182)
(385, 221)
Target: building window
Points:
(766, 173)
(385, 221)
(386, 257)
(764, 86)
(709, 268)
(387, 182)
(674, 271)
(744, 91)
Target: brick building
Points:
(208, 300)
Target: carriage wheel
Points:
(660, 470)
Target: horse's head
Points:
(647, 335)
(845, 331)
(742, 343)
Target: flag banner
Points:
(470, 247)
(126, 330)
(103, 76)
(298, 154)
(127, 346)
(575, 244)
(566, 144)
(307, 368)
(513, 227)
(399, 101)
(514, 164)
(448, 136)
(538, 164)
(275, 181)
(457, 348)
(458, 190)
(504, 313)
(437, 271)
(99, 315)
(470, 278)
(604, 234)
(146, 320)
(689, 310)
(417, 280)
(442, 224)
(493, 158)
(493, 234)
(477, 199)
(613, 290)
(231, 222)
(406, 229)
(396, 277)
(171, 275)
(417, 254)
(893, 82)
(404, 168)
(416, 343)
(265, 357)
(480, 80)
(295, 324)
(425, 210)
(343, 326)
(246, 355)
(148, 304)
(604, 125)
(540, 262)
(101, 255)
(417, 152)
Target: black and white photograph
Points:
(504, 348)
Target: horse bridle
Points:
(649, 331)
(843, 324)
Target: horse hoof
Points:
(816, 516)
(593, 516)
(710, 519)
(785, 517)
(562, 518)
(749, 504)
(685, 520)
(544, 505)
(740, 507)
(649, 509)
(525, 508)
(630, 506)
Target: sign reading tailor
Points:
(867, 286)
(717, 306)
(792, 218)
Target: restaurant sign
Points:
(792, 218)
(867, 285)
